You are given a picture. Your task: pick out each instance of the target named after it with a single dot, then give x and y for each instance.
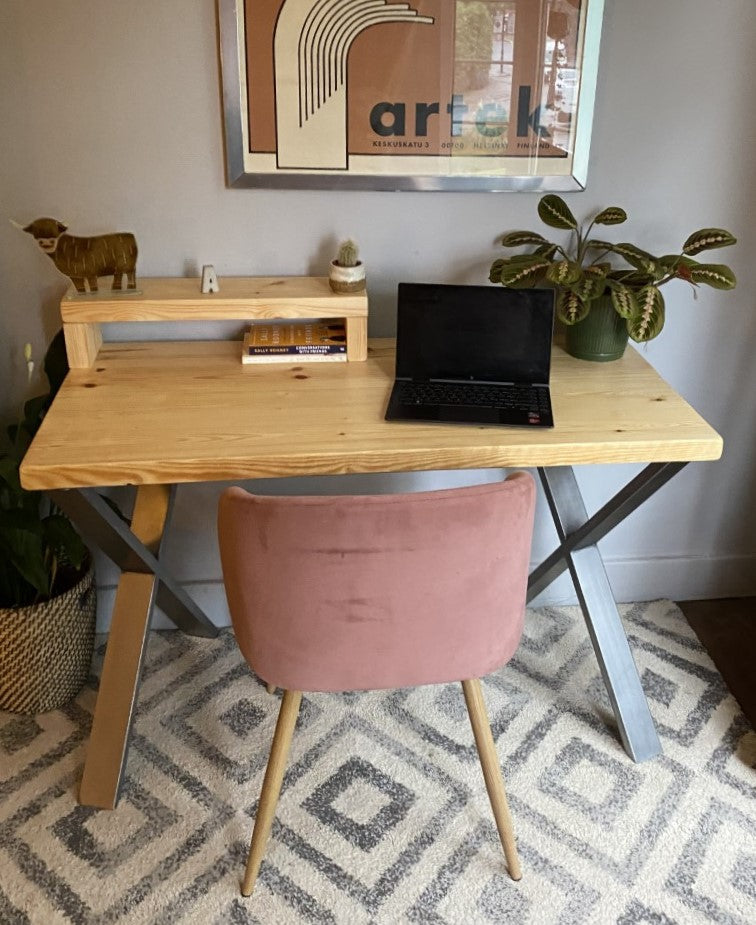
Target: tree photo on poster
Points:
(426, 94)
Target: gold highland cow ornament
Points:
(84, 260)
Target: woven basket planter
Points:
(46, 649)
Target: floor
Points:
(727, 629)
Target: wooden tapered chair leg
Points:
(271, 688)
(271, 788)
(489, 762)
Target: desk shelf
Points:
(180, 299)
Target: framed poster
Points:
(420, 95)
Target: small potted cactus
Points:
(347, 273)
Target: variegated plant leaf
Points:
(554, 212)
(518, 238)
(669, 261)
(624, 301)
(564, 272)
(707, 239)
(613, 215)
(522, 272)
(570, 308)
(546, 250)
(633, 278)
(636, 257)
(648, 320)
(713, 274)
(494, 274)
(676, 265)
(590, 287)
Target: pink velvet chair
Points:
(380, 591)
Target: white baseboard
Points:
(687, 578)
(676, 579)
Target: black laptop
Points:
(473, 355)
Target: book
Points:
(305, 340)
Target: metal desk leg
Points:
(578, 552)
(135, 551)
(103, 528)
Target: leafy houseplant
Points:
(587, 280)
(41, 550)
(347, 272)
(47, 594)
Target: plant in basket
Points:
(47, 597)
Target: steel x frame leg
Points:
(143, 583)
(577, 551)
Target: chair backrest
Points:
(366, 592)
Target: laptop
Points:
(473, 355)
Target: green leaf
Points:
(9, 473)
(636, 257)
(564, 272)
(707, 239)
(716, 275)
(524, 272)
(611, 216)
(25, 551)
(554, 212)
(518, 238)
(570, 308)
(624, 301)
(546, 250)
(648, 320)
(591, 286)
(675, 263)
(61, 536)
(494, 274)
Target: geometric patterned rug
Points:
(384, 817)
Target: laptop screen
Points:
(484, 333)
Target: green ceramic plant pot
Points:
(601, 336)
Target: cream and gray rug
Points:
(383, 817)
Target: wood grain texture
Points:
(83, 342)
(189, 412)
(240, 298)
(489, 764)
(119, 681)
(271, 788)
(357, 338)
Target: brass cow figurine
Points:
(85, 259)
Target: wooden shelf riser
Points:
(240, 299)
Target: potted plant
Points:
(347, 273)
(47, 592)
(603, 305)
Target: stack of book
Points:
(304, 340)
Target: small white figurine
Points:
(209, 279)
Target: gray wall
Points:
(111, 119)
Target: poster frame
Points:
(540, 173)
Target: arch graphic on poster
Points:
(311, 50)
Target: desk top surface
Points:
(188, 412)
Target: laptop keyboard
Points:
(526, 398)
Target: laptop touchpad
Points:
(464, 415)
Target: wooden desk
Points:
(155, 415)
